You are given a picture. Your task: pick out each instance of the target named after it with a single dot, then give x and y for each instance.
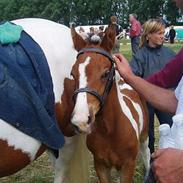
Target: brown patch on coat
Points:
(13, 160)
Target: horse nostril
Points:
(76, 129)
(89, 119)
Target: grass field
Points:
(40, 171)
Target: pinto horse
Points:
(108, 110)
(19, 148)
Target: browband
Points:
(96, 50)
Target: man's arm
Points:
(160, 98)
(133, 30)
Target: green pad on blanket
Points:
(10, 33)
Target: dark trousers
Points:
(162, 117)
(135, 41)
(171, 40)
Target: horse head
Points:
(93, 73)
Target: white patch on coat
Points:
(56, 41)
(139, 111)
(125, 86)
(126, 109)
(19, 140)
(81, 110)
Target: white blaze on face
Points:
(81, 110)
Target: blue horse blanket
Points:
(26, 91)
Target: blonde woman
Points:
(150, 58)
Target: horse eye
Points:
(105, 75)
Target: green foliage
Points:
(172, 12)
(84, 12)
(147, 8)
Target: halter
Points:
(110, 77)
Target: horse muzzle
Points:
(82, 123)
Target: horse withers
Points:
(108, 110)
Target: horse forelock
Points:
(95, 39)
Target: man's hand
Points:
(123, 66)
(168, 165)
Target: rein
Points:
(109, 81)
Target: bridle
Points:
(109, 80)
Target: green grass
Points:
(40, 171)
(126, 51)
(176, 47)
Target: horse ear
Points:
(109, 38)
(78, 41)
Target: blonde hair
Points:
(151, 26)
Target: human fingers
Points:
(117, 62)
(157, 153)
(116, 59)
(120, 57)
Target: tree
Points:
(84, 12)
(172, 12)
(146, 9)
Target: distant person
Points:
(135, 31)
(172, 34)
(101, 32)
(96, 31)
(82, 33)
(127, 32)
(151, 57)
(114, 20)
(93, 36)
(91, 33)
